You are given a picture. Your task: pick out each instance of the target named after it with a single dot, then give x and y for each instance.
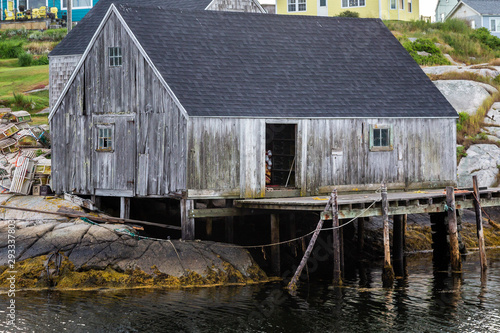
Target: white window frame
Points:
(390, 145)
(28, 6)
(393, 4)
(410, 6)
(402, 4)
(346, 3)
(296, 5)
(114, 58)
(494, 24)
(74, 7)
(111, 137)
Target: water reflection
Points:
(424, 300)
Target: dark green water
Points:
(425, 301)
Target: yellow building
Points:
(405, 10)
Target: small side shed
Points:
(234, 105)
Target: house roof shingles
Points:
(255, 65)
(77, 40)
(485, 7)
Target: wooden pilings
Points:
(275, 238)
(456, 263)
(187, 223)
(337, 261)
(229, 224)
(479, 225)
(388, 272)
(124, 208)
(292, 285)
(398, 236)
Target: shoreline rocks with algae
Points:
(78, 255)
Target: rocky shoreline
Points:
(79, 254)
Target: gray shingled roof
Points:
(257, 65)
(485, 7)
(77, 40)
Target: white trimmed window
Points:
(393, 4)
(409, 6)
(77, 4)
(297, 6)
(115, 56)
(402, 4)
(105, 138)
(495, 24)
(353, 3)
(381, 137)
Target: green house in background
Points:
(80, 7)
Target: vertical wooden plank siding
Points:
(147, 121)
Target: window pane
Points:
(302, 5)
(384, 140)
(322, 3)
(493, 25)
(345, 3)
(361, 2)
(353, 3)
(393, 4)
(376, 138)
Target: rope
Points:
(301, 237)
(178, 257)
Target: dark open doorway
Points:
(280, 155)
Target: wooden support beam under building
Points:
(124, 208)
(229, 224)
(398, 235)
(187, 222)
(275, 238)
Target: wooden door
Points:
(114, 152)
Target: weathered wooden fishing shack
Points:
(212, 105)
(65, 56)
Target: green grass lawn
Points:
(19, 80)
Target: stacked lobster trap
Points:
(24, 154)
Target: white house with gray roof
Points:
(480, 13)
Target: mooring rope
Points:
(301, 237)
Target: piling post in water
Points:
(229, 224)
(456, 263)
(479, 225)
(337, 261)
(388, 272)
(397, 244)
(292, 285)
(187, 223)
(275, 249)
(361, 235)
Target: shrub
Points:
(348, 13)
(42, 60)
(10, 49)
(463, 118)
(25, 60)
(435, 56)
(484, 36)
(23, 101)
(461, 152)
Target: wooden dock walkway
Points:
(358, 205)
